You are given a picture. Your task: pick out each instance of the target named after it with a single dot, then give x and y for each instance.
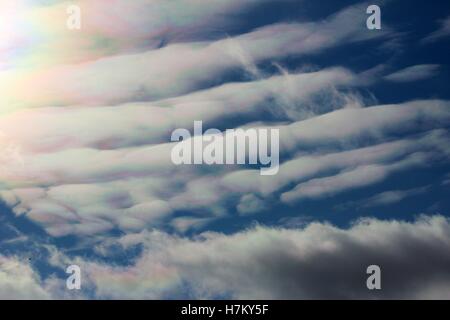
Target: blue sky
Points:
(86, 178)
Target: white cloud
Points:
(39, 31)
(359, 177)
(19, 281)
(133, 124)
(90, 191)
(174, 70)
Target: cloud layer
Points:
(317, 262)
(85, 124)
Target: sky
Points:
(86, 176)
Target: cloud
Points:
(359, 177)
(160, 73)
(250, 204)
(89, 192)
(19, 281)
(386, 198)
(85, 126)
(317, 262)
(339, 131)
(40, 34)
(443, 31)
(414, 73)
(80, 178)
(134, 124)
(446, 180)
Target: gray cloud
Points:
(319, 261)
(316, 261)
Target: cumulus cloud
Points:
(19, 281)
(318, 261)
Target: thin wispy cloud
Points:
(414, 73)
(441, 33)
